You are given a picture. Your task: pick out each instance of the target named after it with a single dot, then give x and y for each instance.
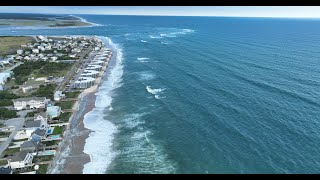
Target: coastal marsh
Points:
(9, 45)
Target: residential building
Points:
(27, 89)
(58, 95)
(36, 51)
(39, 134)
(31, 102)
(53, 111)
(21, 160)
(19, 51)
(30, 146)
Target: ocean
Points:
(204, 95)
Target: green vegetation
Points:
(6, 98)
(66, 104)
(66, 58)
(30, 114)
(51, 143)
(10, 44)
(19, 140)
(42, 169)
(65, 116)
(10, 151)
(5, 134)
(72, 94)
(7, 114)
(42, 158)
(6, 102)
(57, 130)
(2, 125)
(3, 162)
(45, 91)
(15, 87)
(39, 69)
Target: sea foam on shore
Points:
(99, 143)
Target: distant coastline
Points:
(42, 20)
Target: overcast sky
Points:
(239, 11)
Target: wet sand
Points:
(70, 158)
(77, 158)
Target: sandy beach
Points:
(70, 158)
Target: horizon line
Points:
(279, 17)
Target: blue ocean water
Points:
(204, 95)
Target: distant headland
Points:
(40, 20)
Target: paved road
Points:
(17, 123)
(74, 68)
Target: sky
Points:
(235, 11)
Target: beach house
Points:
(53, 111)
(58, 95)
(22, 160)
(30, 146)
(39, 122)
(31, 102)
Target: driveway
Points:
(17, 123)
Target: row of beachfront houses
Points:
(36, 130)
(93, 69)
(48, 49)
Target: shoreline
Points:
(35, 27)
(70, 153)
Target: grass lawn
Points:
(57, 130)
(65, 116)
(30, 114)
(10, 45)
(4, 134)
(51, 143)
(42, 169)
(3, 162)
(42, 158)
(67, 104)
(72, 94)
(11, 151)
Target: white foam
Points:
(155, 37)
(99, 143)
(142, 58)
(154, 91)
(143, 41)
(133, 120)
(167, 35)
(164, 42)
(146, 76)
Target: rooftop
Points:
(30, 124)
(20, 156)
(29, 99)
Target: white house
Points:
(27, 89)
(19, 51)
(21, 160)
(27, 58)
(54, 58)
(58, 96)
(32, 102)
(35, 51)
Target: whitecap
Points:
(155, 37)
(142, 58)
(146, 76)
(154, 91)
